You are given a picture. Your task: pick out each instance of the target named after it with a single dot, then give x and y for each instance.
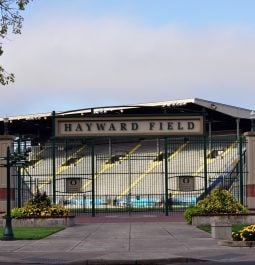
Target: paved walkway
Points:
(122, 241)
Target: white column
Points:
(250, 185)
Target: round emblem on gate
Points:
(73, 182)
(185, 180)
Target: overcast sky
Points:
(91, 53)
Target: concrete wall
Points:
(250, 185)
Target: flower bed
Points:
(221, 210)
(40, 221)
(39, 212)
(243, 238)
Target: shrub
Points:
(17, 213)
(245, 234)
(191, 210)
(221, 201)
(40, 200)
(40, 205)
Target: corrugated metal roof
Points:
(232, 111)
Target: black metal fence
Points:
(158, 176)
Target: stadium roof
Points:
(235, 112)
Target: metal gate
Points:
(150, 176)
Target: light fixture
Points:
(213, 106)
(6, 121)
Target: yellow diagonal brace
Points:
(61, 168)
(147, 171)
(35, 155)
(211, 160)
(177, 151)
(105, 168)
(137, 180)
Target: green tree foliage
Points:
(10, 20)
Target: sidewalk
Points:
(123, 242)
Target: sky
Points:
(92, 53)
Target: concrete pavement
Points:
(123, 242)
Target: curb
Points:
(231, 243)
(138, 262)
(112, 262)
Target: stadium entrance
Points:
(126, 165)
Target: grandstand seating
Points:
(133, 169)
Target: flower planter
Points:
(43, 221)
(231, 218)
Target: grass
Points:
(32, 233)
(235, 228)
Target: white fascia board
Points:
(232, 111)
(28, 116)
(178, 102)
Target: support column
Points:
(250, 184)
(5, 141)
(237, 128)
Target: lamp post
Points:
(252, 117)
(8, 233)
(6, 121)
(11, 160)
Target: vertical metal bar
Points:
(129, 186)
(205, 155)
(110, 147)
(237, 129)
(19, 179)
(166, 177)
(53, 157)
(8, 184)
(241, 169)
(66, 150)
(93, 176)
(210, 135)
(158, 146)
(162, 190)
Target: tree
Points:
(10, 20)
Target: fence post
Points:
(205, 165)
(166, 177)
(205, 152)
(93, 177)
(53, 158)
(19, 179)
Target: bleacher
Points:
(132, 172)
